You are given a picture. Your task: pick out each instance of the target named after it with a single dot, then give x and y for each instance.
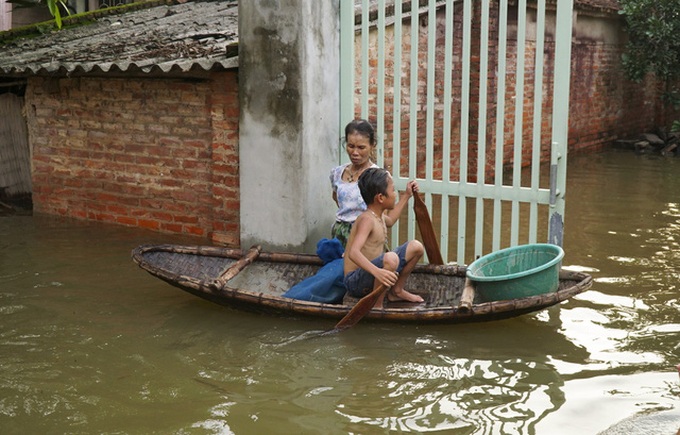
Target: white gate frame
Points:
(485, 195)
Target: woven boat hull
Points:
(262, 281)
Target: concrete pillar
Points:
(288, 130)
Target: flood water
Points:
(89, 343)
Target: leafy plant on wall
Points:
(653, 44)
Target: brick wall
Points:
(604, 104)
(153, 153)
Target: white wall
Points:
(288, 131)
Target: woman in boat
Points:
(360, 146)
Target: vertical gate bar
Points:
(413, 91)
(538, 118)
(563, 29)
(464, 126)
(446, 139)
(346, 67)
(500, 121)
(396, 102)
(519, 117)
(413, 104)
(481, 125)
(429, 134)
(380, 83)
(365, 72)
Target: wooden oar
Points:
(434, 255)
(361, 308)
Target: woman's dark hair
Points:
(362, 127)
(372, 182)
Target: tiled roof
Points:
(168, 36)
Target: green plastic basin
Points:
(517, 272)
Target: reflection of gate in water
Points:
(443, 100)
(475, 393)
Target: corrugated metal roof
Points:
(163, 38)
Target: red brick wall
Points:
(604, 104)
(153, 153)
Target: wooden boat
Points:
(256, 280)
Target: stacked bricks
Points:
(145, 152)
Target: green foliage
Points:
(654, 43)
(654, 38)
(53, 6)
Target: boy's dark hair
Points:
(372, 182)
(362, 127)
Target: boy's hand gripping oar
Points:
(434, 255)
(361, 308)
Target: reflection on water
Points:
(91, 344)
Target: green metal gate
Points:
(470, 97)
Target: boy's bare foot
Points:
(403, 295)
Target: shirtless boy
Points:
(366, 263)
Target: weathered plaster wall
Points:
(153, 153)
(288, 62)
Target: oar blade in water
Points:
(361, 308)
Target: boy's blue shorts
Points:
(359, 283)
